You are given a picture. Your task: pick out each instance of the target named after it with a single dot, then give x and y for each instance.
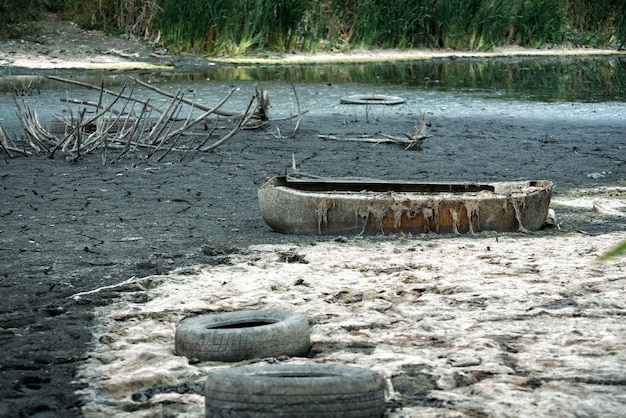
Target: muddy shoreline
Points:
(69, 228)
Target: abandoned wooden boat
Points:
(335, 206)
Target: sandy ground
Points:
(514, 326)
(486, 325)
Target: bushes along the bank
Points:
(239, 26)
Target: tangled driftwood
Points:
(410, 141)
(123, 123)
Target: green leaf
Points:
(620, 248)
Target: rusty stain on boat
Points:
(333, 206)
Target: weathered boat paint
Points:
(337, 206)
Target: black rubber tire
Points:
(372, 99)
(240, 335)
(294, 390)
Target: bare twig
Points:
(87, 103)
(216, 109)
(385, 139)
(208, 136)
(410, 141)
(4, 148)
(92, 87)
(416, 139)
(243, 121)
(136, 280)
(300, 114)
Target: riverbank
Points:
(63, 45)
(72, 228)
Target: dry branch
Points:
(419, 135)
(243, 121)
(300, 114)
(410, 141)
(125, 123)
(101, 89)
(4, 144)
(385, 139)
(189, 102)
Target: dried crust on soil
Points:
(71, 228)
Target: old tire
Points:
(372, 99)
(240, 335)
(287, 390)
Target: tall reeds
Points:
(231, 26)
(239, 26)
(596, 22)
(459, 24)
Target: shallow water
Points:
(553, 88)
(540, 79)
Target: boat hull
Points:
(314, 206)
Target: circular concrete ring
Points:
(240, 335)
(294, 390)
(372, 99)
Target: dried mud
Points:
(68, 228)
(71, 228)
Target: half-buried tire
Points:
(294, 390)
(240, 335)
(372, 99)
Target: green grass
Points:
(231, 27)
(617, 250)
(17, 16)
(234, 27)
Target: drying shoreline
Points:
(70, 228)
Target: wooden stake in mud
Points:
(300, 114)
(263, 103)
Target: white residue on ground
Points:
(509, 326)
(603, 200)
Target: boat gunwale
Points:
(367, 186)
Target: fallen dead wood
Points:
(126, 124)
(416, 138)
(133, 280)
(410, 141)
(186, 101)
(7, 146)
(384, 139)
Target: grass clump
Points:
(233, 27)
(17, 17)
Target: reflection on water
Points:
(549, 79)
(546, 79)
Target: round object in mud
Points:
(372, 99)
(302, 390)
(240, 335)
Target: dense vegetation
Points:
(240, 26)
